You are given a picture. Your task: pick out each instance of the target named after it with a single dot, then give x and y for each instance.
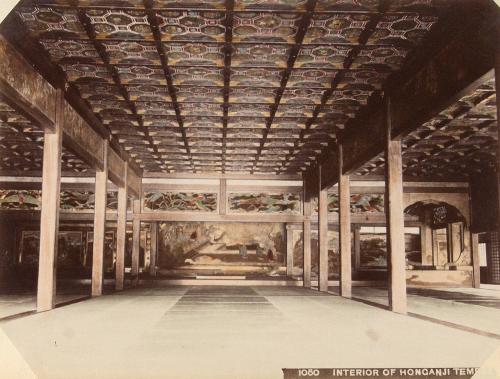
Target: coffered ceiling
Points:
(244, 86)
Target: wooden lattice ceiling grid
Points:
(21, 145)
(459, 142)
(248, 86)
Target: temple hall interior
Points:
(228, 188)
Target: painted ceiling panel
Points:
(262, 27)
(186, 25)
(328, 28)
(194, 54)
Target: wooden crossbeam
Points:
(24, 89)
(134, 183)
(82, 139)
(117, 168)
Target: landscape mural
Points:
(333, 253)
(373, 250)
(180, 201)
(360, 203)
(190, 249)
(71, 201)
(264, 203)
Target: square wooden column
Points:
(396, 256)
(49, 227)
(323, 236)
(344, 229)
(476, 268)
(101, 192)
(136, 242)
(289, 251)
(306, 237)
(426, 239)
(121, 233)
(154, 248)
(223, 196)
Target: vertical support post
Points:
(323, 236)
(121, 233)
(100, 194)
(435, 248)
(395, 221)
(476, 268)
(223, 196)
(344, 229)
(51, 184)
(289, 251)
(426, 240)
(357, 248)
(306, 237)
(154, 248)
(136, 241)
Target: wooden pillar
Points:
(121, 233)
(100, 194)
(306, 237)
(289, 251)
(426, 244)
(136, 242)
(357, 248)
(476, 264)
(154, 248)
(51, 184)
(323, 236)
(435, 248)
(395, 221)
(344, 230)
(223, 196)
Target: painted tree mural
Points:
(180, 201)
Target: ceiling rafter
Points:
(84, 19)
(304, 24)
(228, 38)
(153, 21)
(363, 39)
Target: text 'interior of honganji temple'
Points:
(227, 188)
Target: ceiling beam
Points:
(155, 27)
(228, 38)
(24, 89)
(294, 52)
